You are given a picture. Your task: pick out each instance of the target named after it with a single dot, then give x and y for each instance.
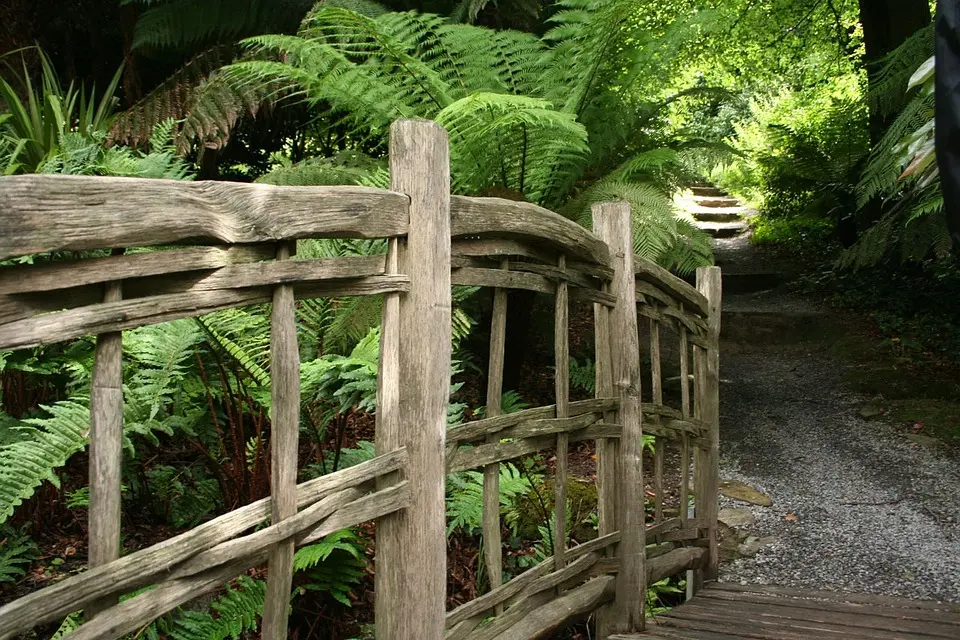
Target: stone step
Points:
(710, 192)
(750, 282)
(716, 201)
(718, 215)
(723, 229)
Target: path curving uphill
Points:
(856, 505)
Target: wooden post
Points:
(411, 544)
(707, 375)
(284, 435)
(492, 543)
(561, 353)
(612, 222)
(106, 450)
(656, 382)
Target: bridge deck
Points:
(732, 612)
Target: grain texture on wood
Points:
(685, 413)
(522, 220)
(556, 614)
(414, 541)
(656, 387)
(284, 433)
(497, 248)
(52, 276)
(129, 314)
(492, 543)
(561, 381)
(106, 450)
(473, 277)
(479, 429)
(145, 567)
(613, 221)
(655, 274)
(707, 374)
(105, 212)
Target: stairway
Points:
(726, 220)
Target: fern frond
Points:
(46, 445)
(237, 612)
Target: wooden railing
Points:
(239, 243)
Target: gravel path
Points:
(857, 506)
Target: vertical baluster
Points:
(685, 412)
(561, 352)
(492, 543)
(284, 435)
(106, 449)
(656, 385)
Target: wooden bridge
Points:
(214, 246)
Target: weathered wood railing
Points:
(242, 241)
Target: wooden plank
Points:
(493, 545)
(473, 277)
(812, 621)
(106, 451)
(837, 596)
(498, 248)
(707, 374)
(478, 429)
(284, 433)
(146, 566)
(653, 273)
(129, 314)
(673, 562)
(558, 613)
(52, 276)
(230, 558)
(413, 542)
(561, 382)
(542, 427)
(537, 437)
(107, 212)
(522, 220)
(820, 604)
(503, 593)
(613, 223)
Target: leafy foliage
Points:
(17, 553)
(236, 613)
(33, 130)
(902, 171)
(465, 496)
(543, 104)
(334, 565)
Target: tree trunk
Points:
(886, 25)
(948, 110)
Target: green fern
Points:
(237, 612)
(44, 446)
(17, 553)
(335, 565)
(465, 496)
(583, 376)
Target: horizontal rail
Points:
(479, 429)
(149, 565)
(482, 217)
(129, 314)
(41, 213)
(682, 292)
